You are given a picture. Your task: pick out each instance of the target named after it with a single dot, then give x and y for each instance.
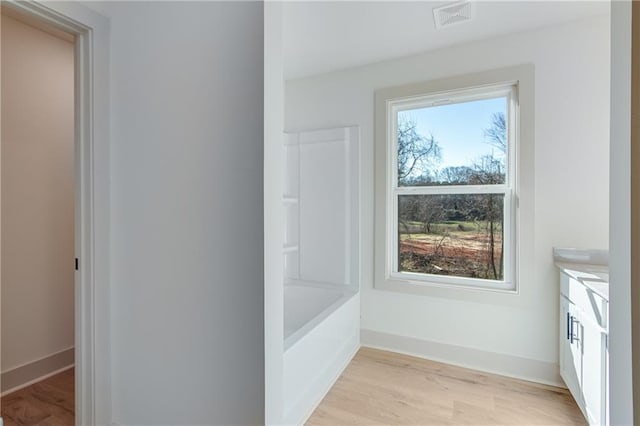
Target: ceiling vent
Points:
(453, 14)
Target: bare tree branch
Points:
(497, 131)
(416, 153)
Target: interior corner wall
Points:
(621, 365)
(37, 201)
(571, 180)
(187, 282)
(635, 207)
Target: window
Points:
(447, 172)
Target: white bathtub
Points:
(322, 333)
(305, 306)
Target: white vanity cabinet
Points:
(583, 340)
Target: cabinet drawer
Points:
(590, 303)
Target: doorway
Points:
(38, 224)
(92, 199)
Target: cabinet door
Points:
(570, 356)
(594, 371)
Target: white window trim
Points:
(491, 84)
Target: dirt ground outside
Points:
(464, 252)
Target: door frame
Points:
(92, 200)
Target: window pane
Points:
(456, 234)
(454, 144)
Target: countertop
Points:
(586, 266)
(595, 277)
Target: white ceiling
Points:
(327, 36)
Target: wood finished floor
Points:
(50, 402)
(385, 388)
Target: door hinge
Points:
(77, 264)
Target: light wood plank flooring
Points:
(50, 402)
(386, 388)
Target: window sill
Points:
(404, 283)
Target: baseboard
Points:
(505, 365)
(27, 374)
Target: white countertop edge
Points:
(580, 256)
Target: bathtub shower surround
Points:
(321, 264)
(321, 207)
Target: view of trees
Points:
(452, 234)
(416, 154)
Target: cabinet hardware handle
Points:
(571, 329)
(568, 326)
(572, 321)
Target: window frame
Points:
(394, 190)
(484, 85)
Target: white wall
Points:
(571, 179)
(37, 194)
(187, 212)
(620, 353)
